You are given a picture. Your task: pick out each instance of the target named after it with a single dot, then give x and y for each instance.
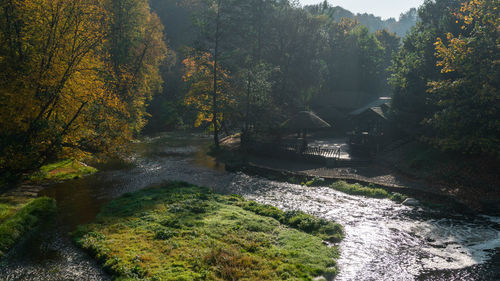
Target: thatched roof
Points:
(305, 120)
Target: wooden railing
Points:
(318, 154)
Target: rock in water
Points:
(411, 202)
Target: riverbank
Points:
(20, 216)
(22, 211)
(66, 169)
(472, 180)
(415, 241)
(180, 230)
(381, 173)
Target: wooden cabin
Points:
(372, 129)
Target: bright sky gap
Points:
(381, 8)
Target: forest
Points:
(115, 113)
(83, 78)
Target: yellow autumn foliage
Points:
(199, 76)
(57, 87)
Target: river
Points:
(384, 240)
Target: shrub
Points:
(357, 189)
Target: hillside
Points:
(401, 26)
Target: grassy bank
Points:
(183, 232)
(358, 189)
(372, 192)
(19, 216)
(367, 190)
(62, 170)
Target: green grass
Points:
(10, 205)
(372, 192)
(184, 232)
(18, 217)
(62, 170)
(316, 181)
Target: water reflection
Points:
(384, 240)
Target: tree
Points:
(49, 78)
(415, 65)
(295, 49)
(63, 88)
(212, 31)
(199, 76)
(391, 43)
(355, 61)
(467, 96)
(136, 47)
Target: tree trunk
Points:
(214, 94)
(246, 133)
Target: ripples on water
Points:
(384, 240)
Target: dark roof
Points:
(305, 120)
(376, 103)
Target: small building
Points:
(372, 129)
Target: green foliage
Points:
(281, 58)
(415, 65)
(182, 232)
(316, 181)
(357, 189)
(467, 94)
(446, 76)
(19, 219)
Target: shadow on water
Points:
(384, 240)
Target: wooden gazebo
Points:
(304, 121)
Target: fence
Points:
(295, 151)
(330, 157)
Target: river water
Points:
(384, 240)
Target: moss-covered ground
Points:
(179, 231)
(19, 216)
(62, 170)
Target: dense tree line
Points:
(78, 77)
(267, 59)
(75, 77)
(446, 77)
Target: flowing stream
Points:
(384, 240)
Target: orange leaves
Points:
(453, 54)
(480, 18)
(199, 76)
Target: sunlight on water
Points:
(384, 240)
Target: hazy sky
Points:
(381, 8)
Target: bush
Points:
(316, 181)
(357, 189)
